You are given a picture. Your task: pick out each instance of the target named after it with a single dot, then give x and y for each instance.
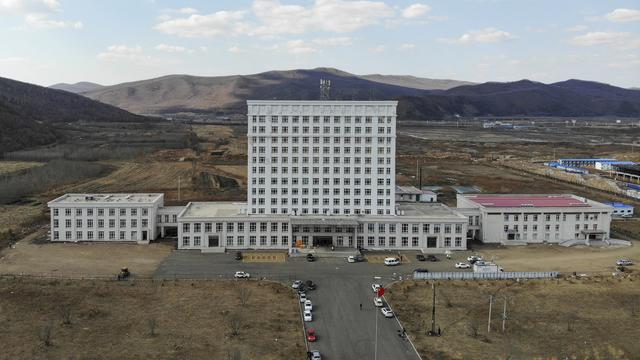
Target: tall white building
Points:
(321, 157)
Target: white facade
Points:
(105, 217)
(321, 157)
(513, 219)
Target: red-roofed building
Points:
(534, 218)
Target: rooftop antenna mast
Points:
(325, 89)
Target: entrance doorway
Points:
(322, 241)
(214, 241)
(432, 242)
(171, 231)
(144, 235)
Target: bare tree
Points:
(244, 294)
(152, 325)
(235, 323)
(473, 328)
(571, 320)
(45, 334)
(65, 313)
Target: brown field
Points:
(114, 320)
(7, 167)
(80, 259)
(596, 318)
(15, 216)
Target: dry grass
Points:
(263, 257)
(15, 217)
(547, 319)
(7, 167)
(149, 320)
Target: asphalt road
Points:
(344, 331)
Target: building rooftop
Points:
(213, 209)
(618, 205)
(412, 190)
(528, 200)
(79, 199)
(426, 210)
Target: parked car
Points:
(303, 297)
(311, 258)
(473, 258)
(315, 355)
(309, 285)
(378, 301)
(241, 275)
(306, 315)
(355, 258)
(386, 312)
(421, 270)
(420, 257)
(462, 265)
(391, 261)
(308, 305)
(238, 255)
(432, 257)
(624, 262)
(296, 284)
(311, 335)
(375, 287)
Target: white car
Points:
(624, 262)
(462, 265)
(351, 259)
(474, 258)
(378, 302)
(391, 261)
(386, 312)
(303, 297)
(241, 275)
(307, 315)
(308, 305)
(315, 355)
(375, 287)
(296, 284)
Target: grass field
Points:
(7, 167)
(595, 318)
(148, 320)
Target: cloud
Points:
(122, 52)
(407, 46)
(299, 47)
(577, 28)
(172, 48)
(207, 26)
(334, 41)
(234, 49)
(377, 50)
(487, 35)
(42, 21)
(627, 62)
(620, 40)
(28, 6)
(415, 10)
(623, 15)
(187, 10)
(273, 18)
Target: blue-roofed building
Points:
(621, 209)
(610, 165)
(577, 162)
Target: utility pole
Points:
(489, 322)
(433, 310)
(504, 314)
(178, 188)
(375, 350)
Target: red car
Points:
(311, 335)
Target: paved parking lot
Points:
(344, 331)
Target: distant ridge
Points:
(76, 88)
(416, 82)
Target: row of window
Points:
(253, 240)
(326, 160)
(80, 223)
(326, 181)
(549, 217)
(295, 119)
(325, 130)
(167, 217)
(516, 227)
(326, 170)
(316, 150)
(101, 212)
(315, 201)
(209, 227)
(305, 211)
(316, 191)
(276, 141)
(95, 235)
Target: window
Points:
(405, 228)
(208, 227)
(229, 240)
(405, 241)
(230, 227)
(447, 241)
(186, 227)
(185, 241)
(458, 241)
(414, 241)
(415, 228)
(252, 227)
(392, 241)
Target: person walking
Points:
(360, 306)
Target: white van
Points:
(391, 261)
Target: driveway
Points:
(344, 331)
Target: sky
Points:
(109, 42)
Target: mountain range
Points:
(419, 98)
(28, 113)
(76, 88)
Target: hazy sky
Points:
(50, 41)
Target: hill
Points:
(76, 88)
(416, 82)
(28, 113)
(197, 94)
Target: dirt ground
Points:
(114, 320)
(7, 167)
(581, 259)
(546, 319)
(80, 259)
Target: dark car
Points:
(432, 258)
(310, 285)
(420, 257)
(310, 257)
(421, 270)
(238, 255)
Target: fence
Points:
(485, 276)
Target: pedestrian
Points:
(360, 306)
(439, 331)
